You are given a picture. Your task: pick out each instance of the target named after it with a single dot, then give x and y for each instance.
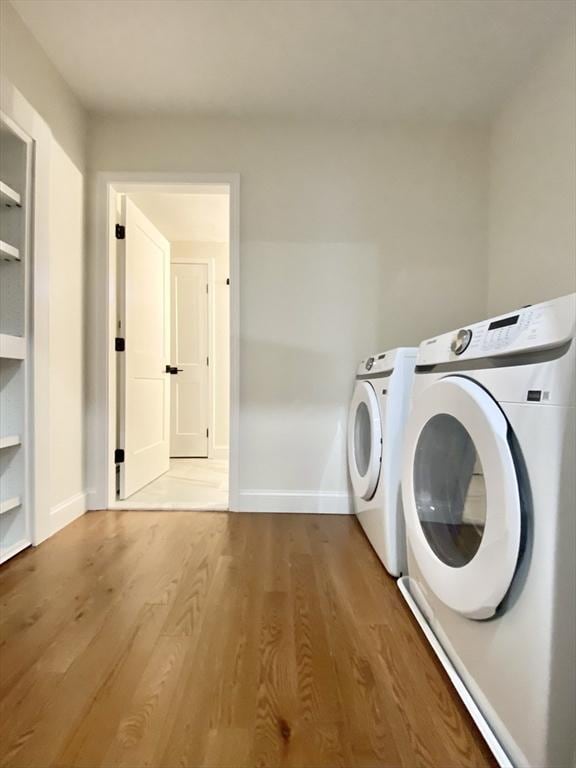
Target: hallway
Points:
(188, 484)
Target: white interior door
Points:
(190, 361)
(144, 383)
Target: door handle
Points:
(173, 370)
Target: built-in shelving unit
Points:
(15, 195)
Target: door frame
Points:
(102, 277)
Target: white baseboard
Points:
(306, 502)
(93, 501)
(220, 452)
(181, 506)
(64, 513)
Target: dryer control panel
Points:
(385, 362)
(542, 326)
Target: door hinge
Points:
(120, 232)
(206, 287)
(119, 456)
(207, 432)
(227, 281)
(207, 361)
(119, 344)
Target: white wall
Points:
(67, 316)
(353, 239)
(218, 255)
(24, 63)
(532, 243)
(27, 67)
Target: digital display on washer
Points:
(504, 322)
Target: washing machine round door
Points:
(364, 440)
(461, 496)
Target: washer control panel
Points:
(541, 326)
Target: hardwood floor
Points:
(209, 639)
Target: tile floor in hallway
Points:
(218, 640)
(188, 484)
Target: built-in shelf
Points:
(9, 441)
(16, 221)
(10, 504)
(9, 196)
(12, 347)
(8, 252)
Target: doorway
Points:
(172, 376)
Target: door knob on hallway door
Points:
(173, 370)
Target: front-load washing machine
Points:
(490, 504)
(375, 429)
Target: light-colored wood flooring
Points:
(211, 639)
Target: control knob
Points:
(461, 341)
(369, 363)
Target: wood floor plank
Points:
(318, 692)
(213, 640)
(69, 611)
(228, 748)
(88, 744)
(139, 729)
(190, 719)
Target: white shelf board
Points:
(8, 252)
(14, 549)
(9, 441)
(9, 196)
(13, 347)
(10, 504)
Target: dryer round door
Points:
(364, 440)
(461, 496)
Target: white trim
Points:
(483, 726)
(175, 506)
(293, 502)
(102, 405)
(68, 510)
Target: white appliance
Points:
(375, 427)
(490, 503)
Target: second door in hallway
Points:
(190, 396)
